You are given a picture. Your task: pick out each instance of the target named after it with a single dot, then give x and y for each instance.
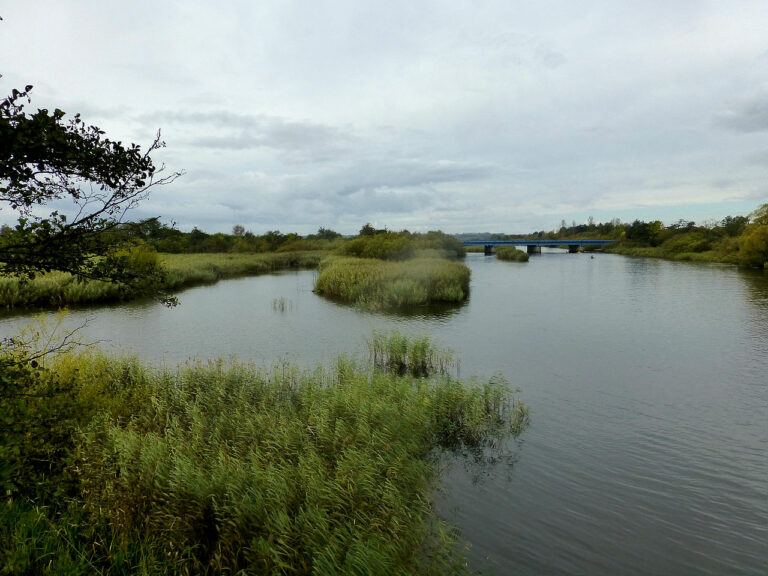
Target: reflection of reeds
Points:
(281, 304)
(379, 284)
(223, 467)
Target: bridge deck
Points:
(564, 242)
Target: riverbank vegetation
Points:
(734, 240)
(511, 254)
(181, 270)
(380, 269)
(113, 467)
(741, 240)
(162, 273)
(158, 258)
(379, 284)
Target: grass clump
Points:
(379, 284)
(224, 468)
(396, 353)
(511, 254)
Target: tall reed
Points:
(417, 356)
(376, 283)
(511, 254)
(57, 289)
(221, 468)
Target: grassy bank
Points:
(511, 254)
(376, 283)
(183, 270)
(727, 254)
(113, 467)
(176, 271)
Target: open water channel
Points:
(647, 382)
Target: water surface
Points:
(647, 382)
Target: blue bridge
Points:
(534, 246)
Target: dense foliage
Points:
(370, 243)
(403, 245)
(226, 468)
(167, 238)
(735, 239)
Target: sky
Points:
(464, 116)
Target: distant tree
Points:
(196, 240)
(734, 225)
(93, 181)
(326, 234)
(273, 239)
(238, 230)
(367, 230)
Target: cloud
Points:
(405, 173)
(235, 131)
(749, 116)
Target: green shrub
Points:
(687, 242)
(753, 246)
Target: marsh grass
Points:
(511, 254)
(58, 289)
(183, 270)
(417, 356)
(223, 468)
(724, 254)
(373, 283)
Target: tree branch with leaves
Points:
(47, 161)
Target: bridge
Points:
(534, 246)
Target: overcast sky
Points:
(503, 116)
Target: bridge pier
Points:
(574, 248)
(488, 249)
(533, 249)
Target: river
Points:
(647, 382)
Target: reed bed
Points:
(177, 271)
(225, 468)
(399, 354)
(183, 270)
(511, 254)
(374, 283)
(53, 290)
(715, 256)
